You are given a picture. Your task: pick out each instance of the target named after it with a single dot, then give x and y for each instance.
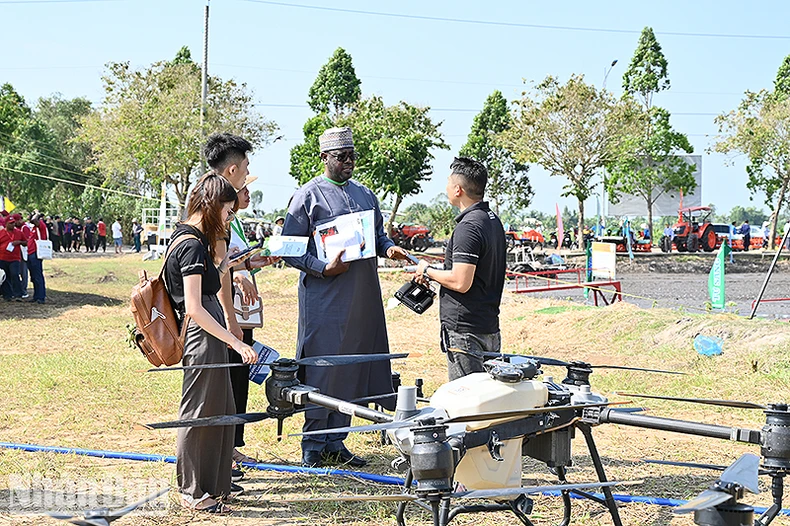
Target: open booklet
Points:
(355, 233)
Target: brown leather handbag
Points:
(156, 333)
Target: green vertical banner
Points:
(588, 253)
(716, 278)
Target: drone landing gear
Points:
(443, 513)
(521, 507)
(608, 500)
(777, 492)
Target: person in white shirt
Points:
(117, 236)
(277, 230)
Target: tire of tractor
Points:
(420, 244)
(538, 246)
(708, 239)
(666, 244)
(693, 243)
(680, 243)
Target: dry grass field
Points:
(69, 379)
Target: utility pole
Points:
(204, 94)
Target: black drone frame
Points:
(547, 435)
(773, 439)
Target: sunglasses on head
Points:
(344, 156)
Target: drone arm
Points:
(335, 404)
(749, 436)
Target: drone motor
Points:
(432, 460)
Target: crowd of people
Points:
(340, 307)
(71, 234)
(19, 257)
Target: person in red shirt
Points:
(10, 236)
(101, 226)
(23, 270)
(34, 263)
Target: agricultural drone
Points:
(468, 442)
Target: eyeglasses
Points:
(344, 156)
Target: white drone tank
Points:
(480, 393)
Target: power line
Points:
(58, 159)
(46, 165)
(458, 82)
(464, 110)
(85, 185)
(516, 24)
(31, 2)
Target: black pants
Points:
(102, 242)
(88, 242)
(55, 243)
(240, 383)
(67, 242)
(747, 239)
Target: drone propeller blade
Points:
(707, 401)
(695, 465)
(529, 490)
(131, 507)
(707, 499)
(525, 412)
(357, 498)
(552, 361)
(207, 421)
(626, 368)
(348, 359)
(744, 471)
(361, 429)
(456, 420)
(314, 361)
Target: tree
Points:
(256, 198)
(653, 166)
(394, 144)
(337, 86)
(647, 73)
(26, 146)
(148, 129)
(650, 165)
(305, 163)
(754, 215)
(508, 182)
(760, 129)
(572, 130)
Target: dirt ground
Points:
(74, 383)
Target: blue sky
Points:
(276, 48)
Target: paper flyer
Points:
(355, 233)
(286, 246)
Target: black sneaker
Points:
(235, 490)
(236, 475)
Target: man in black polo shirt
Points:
(474, 273)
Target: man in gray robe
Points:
(340, 306)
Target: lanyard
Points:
(236, 226)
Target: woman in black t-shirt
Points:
(204, 454)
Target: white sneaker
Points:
(25, 295)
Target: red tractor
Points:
(412, 237)
(528, 237)
(693, 231)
